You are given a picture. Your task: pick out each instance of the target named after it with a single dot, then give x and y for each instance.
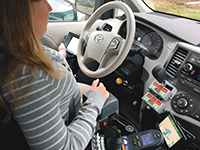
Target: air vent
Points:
(176, 61)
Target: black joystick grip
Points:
(159, 73)
(115, 141)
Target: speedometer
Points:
(154, 43)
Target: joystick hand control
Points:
(115, 141)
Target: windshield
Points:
(185, 8)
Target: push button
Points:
(164, 90)
(155, 136)
(151, 102)
(153, 99)
(149, 95)
(139, 144)
(134, 142)
(155, 106)
(158, 102)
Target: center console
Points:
(183, 83)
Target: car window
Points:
(185, 8)
(63, 10)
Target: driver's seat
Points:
(11, 135)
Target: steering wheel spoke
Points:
(114, 44)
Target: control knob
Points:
(182, 102)
(187, 67)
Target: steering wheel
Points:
(107, 49)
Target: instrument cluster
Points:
(148, 39)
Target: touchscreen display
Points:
(73, 45)
(170, 131)
(147, 139)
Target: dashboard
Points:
(183, 70)
(179, 55)
(181, 61)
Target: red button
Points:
(164, 90)
(160, 86)
(158, 102)
(149, 95)
(155, 136)
(155, 83)
(153, 99)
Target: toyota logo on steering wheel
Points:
(98, 38)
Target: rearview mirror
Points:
(85, 6)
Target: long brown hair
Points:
(19, 45)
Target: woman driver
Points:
(37, 84)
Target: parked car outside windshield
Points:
(61, 11)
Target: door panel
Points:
(56, 31)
